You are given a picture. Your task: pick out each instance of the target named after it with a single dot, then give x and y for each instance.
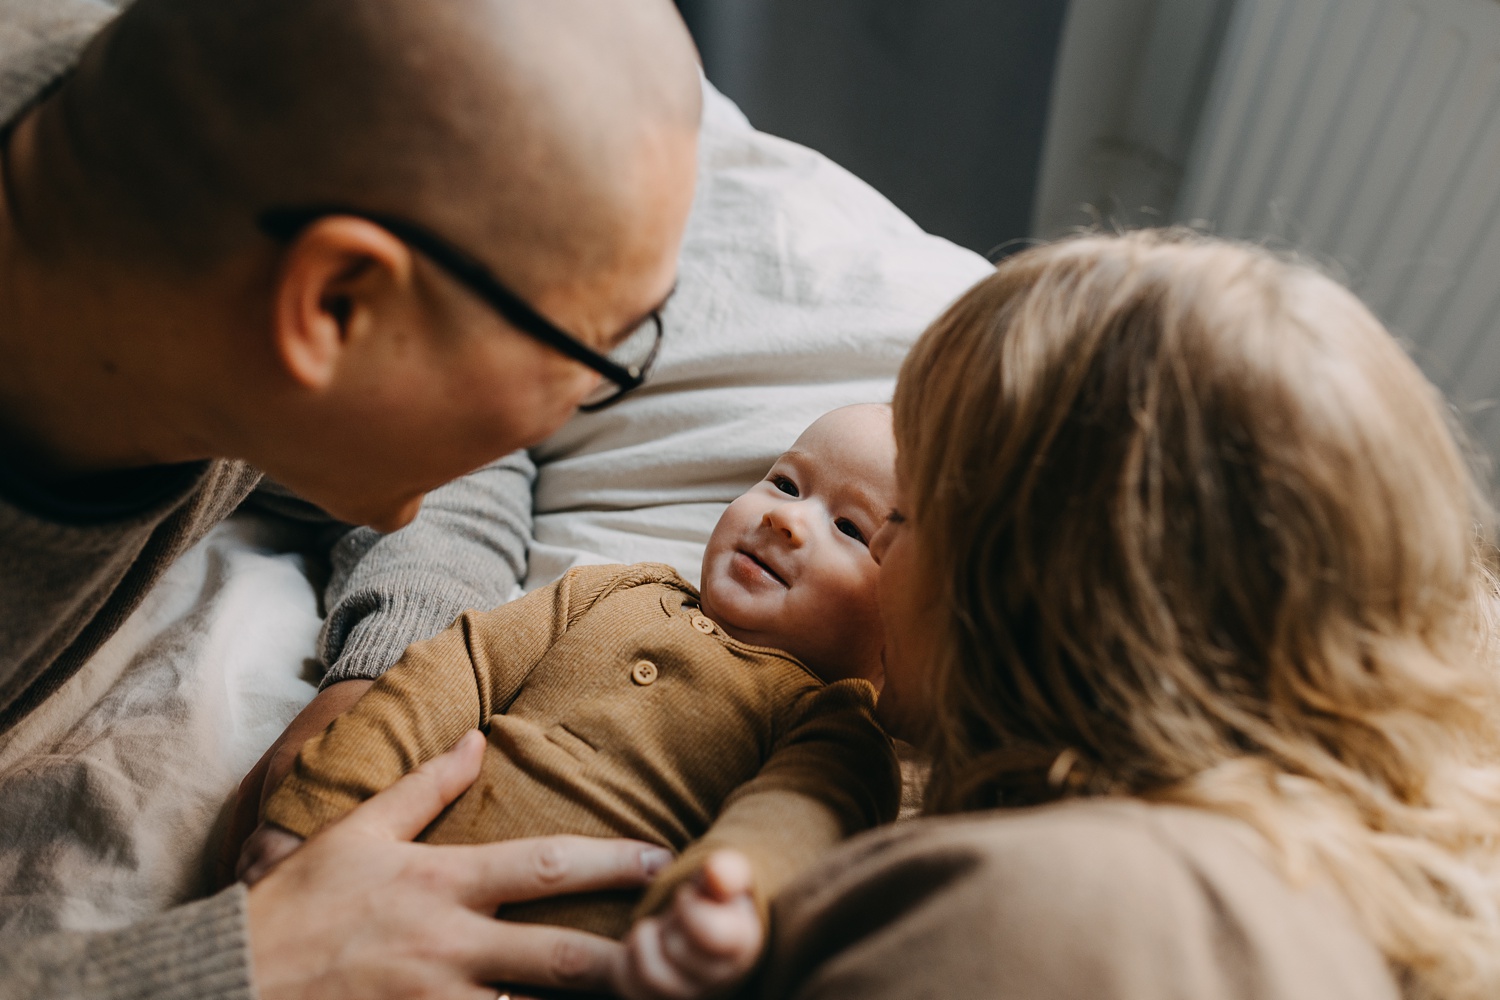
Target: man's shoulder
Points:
(40, 40)
(125, 505)
(71, 571)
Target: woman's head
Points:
(1185, 522)
(1185, 502)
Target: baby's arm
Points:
(831, 774)
(703, 944)
(441, 689)
(418, 709)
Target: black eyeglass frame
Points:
(283, 225)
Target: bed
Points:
(800, 289)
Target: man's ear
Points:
(334, 278)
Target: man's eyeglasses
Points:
(624, 368)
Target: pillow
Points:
(799, 290)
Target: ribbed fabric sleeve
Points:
(466, 549)
(196, 952)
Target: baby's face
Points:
(789, 566)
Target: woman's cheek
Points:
(912, 621)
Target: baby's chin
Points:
(721, 603)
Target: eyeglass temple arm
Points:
(284, 225)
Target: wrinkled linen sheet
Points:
(109, 791)
(800, 289)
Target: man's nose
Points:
(789, 520)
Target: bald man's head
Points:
(553, 140)
(526, 130)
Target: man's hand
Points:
(360, 914)
(267, 847)
(703, 945)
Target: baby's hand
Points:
(705, 943)
(266, 848)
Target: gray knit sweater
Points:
(71, 572)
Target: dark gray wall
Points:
(940, 104)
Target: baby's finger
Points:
(724, 930)
(709, 973)
(726, 874)
(649, 973)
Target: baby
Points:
(620, 701)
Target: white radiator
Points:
(1367, 133)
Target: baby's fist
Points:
(704, 944)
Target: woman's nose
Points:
(787, 519)
(882, 540)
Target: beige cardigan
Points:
(613, 707)
(1112, 899)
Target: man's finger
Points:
(403, 810)
(266, 848)
(514, 871)
(533, 955)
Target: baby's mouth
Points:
(768, 570)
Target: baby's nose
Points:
(788, 520)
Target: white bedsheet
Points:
(109, 791)
(800, 290)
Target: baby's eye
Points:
(851, 529)
(785, 485)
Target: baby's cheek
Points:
(849, 627)
(863, 598)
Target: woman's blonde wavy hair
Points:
(1205, 536)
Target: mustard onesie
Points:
(613, 707)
